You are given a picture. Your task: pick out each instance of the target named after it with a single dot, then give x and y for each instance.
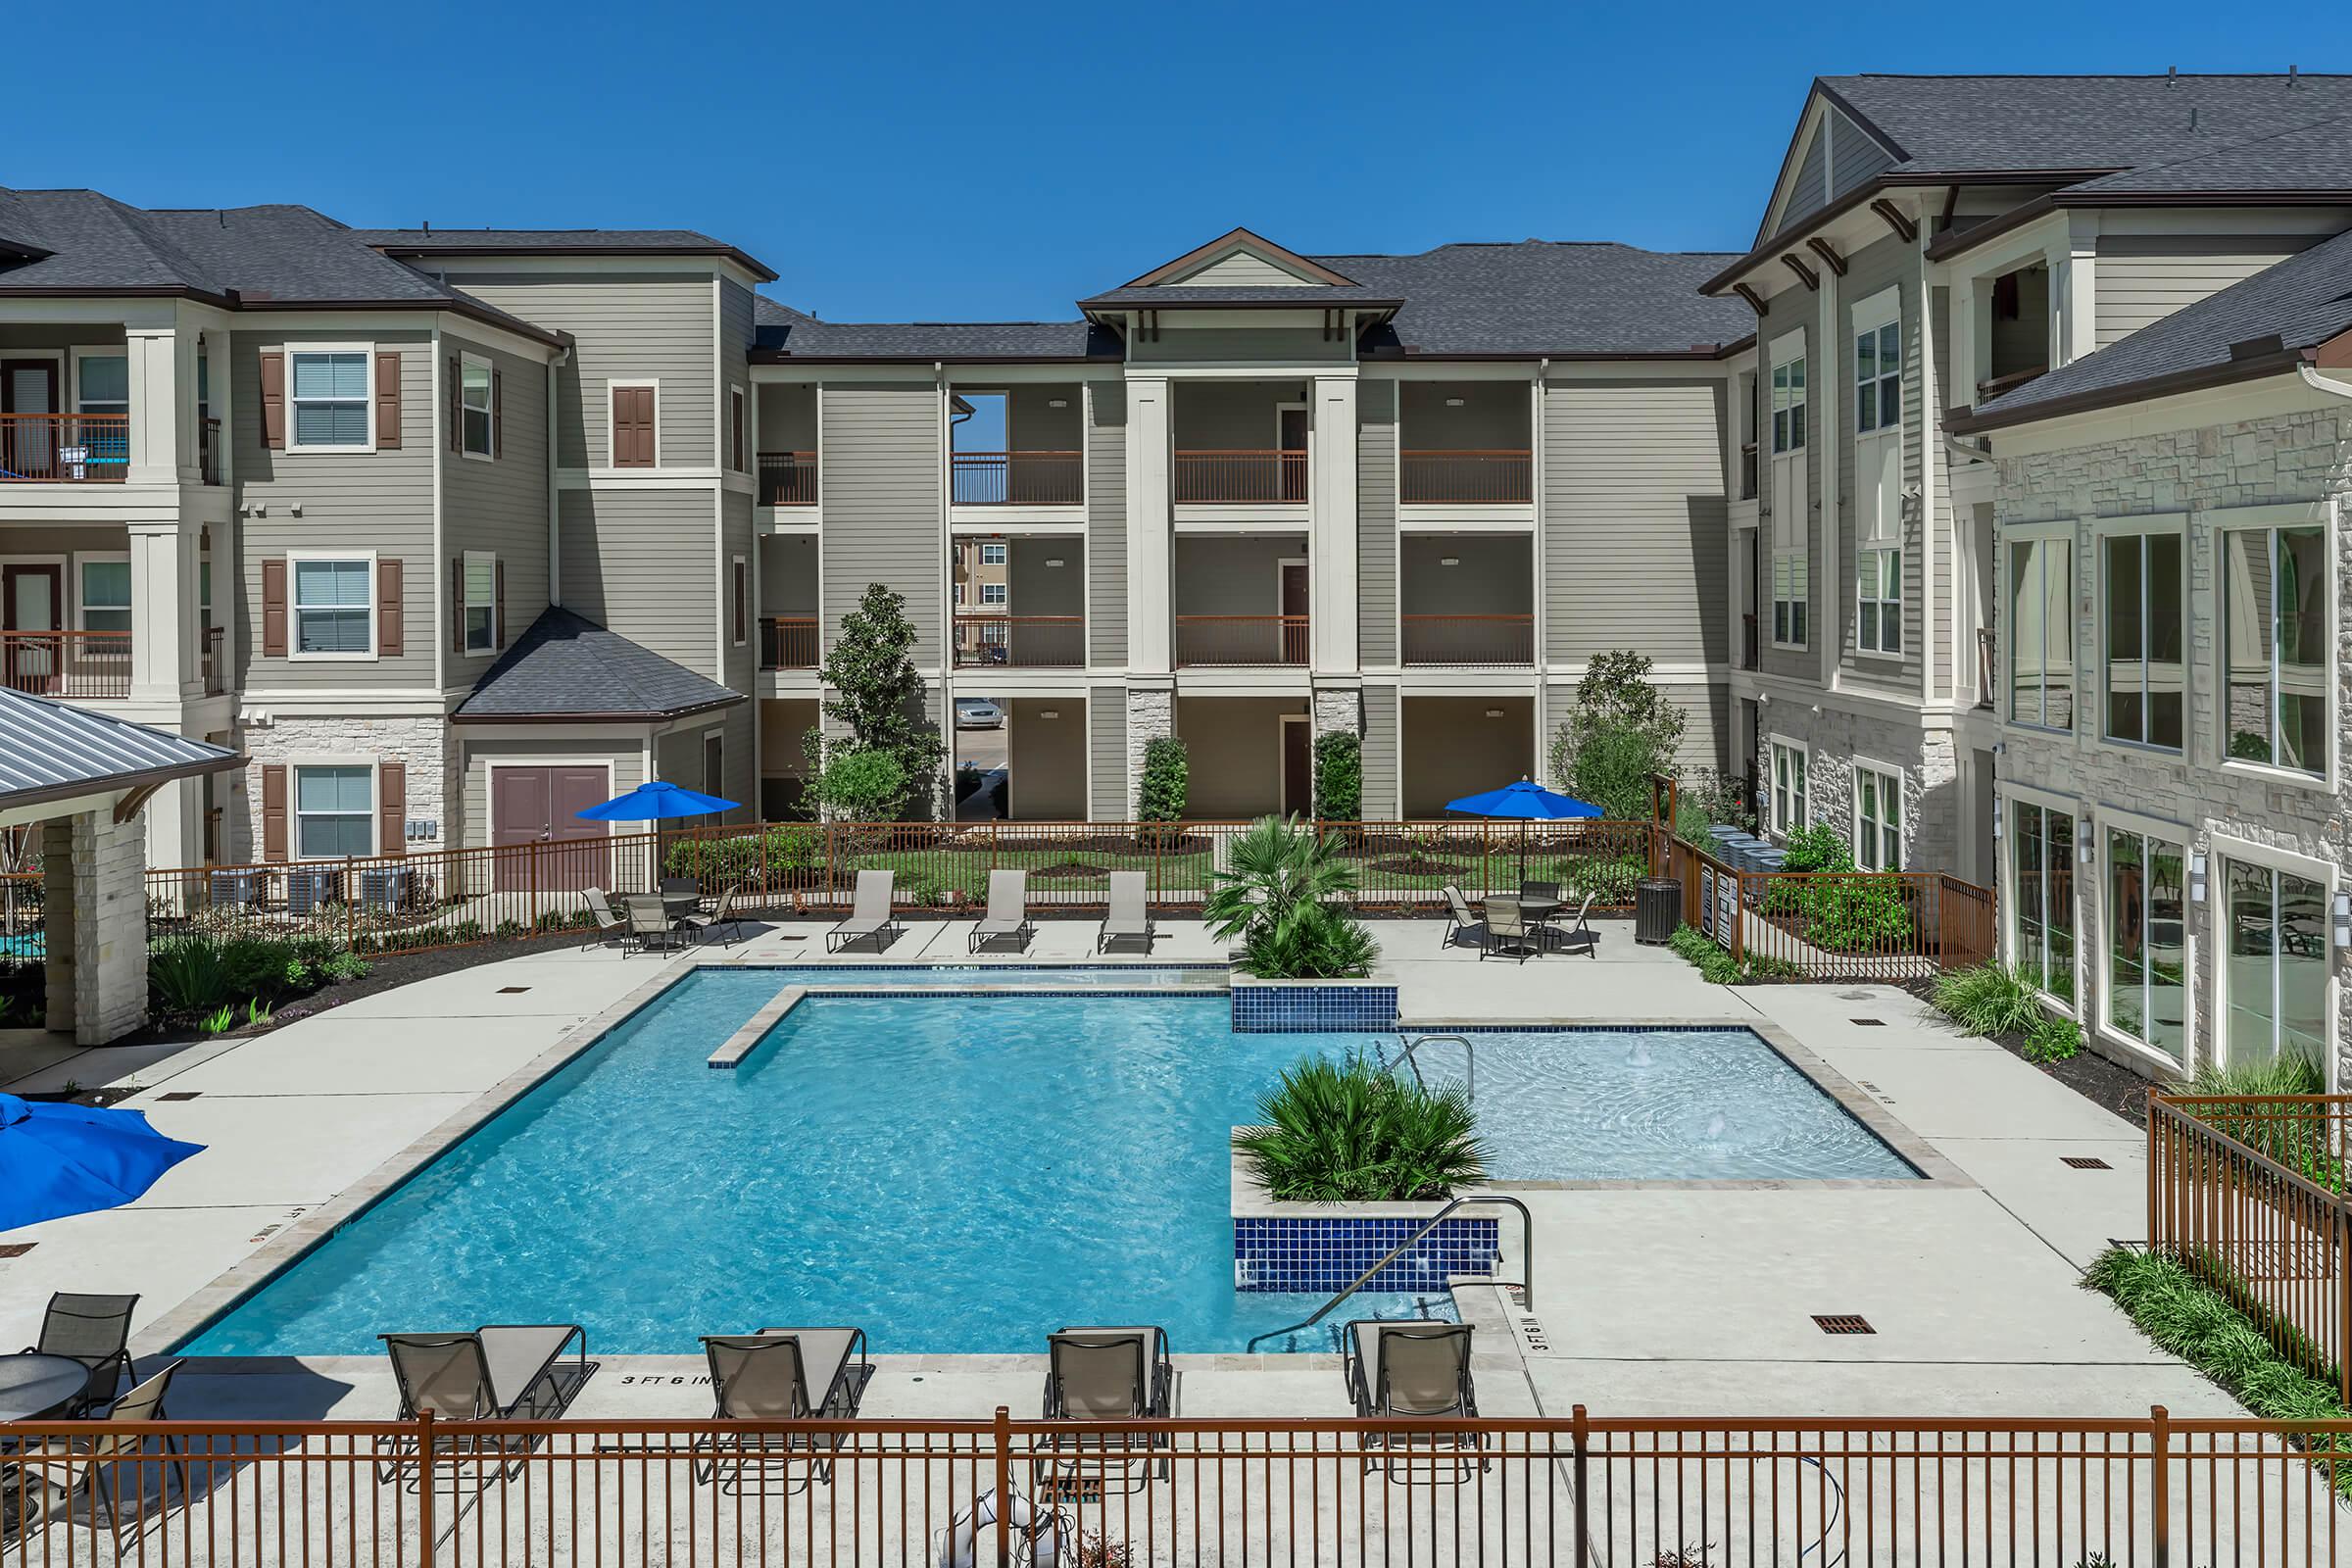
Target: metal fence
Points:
(2248, 1193)
(1590, 1490)
(1836, 925)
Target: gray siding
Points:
(1805, 194)
(1241, 270)
(739, 663)
(1277, 345)
(1855, 159)
(1634, 547)
(1376, 521)
(351, 501)
(882, 503)
(2143, 279)
(627, 326)
(501, 505)
(641, 562)
(1107, 723)
(1382, 779)
(734, 365)
(1871, 269)
(1107, 530)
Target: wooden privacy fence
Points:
(2248, 1192)
(1587, 1491)
(1836, 925)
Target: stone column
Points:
(1151, 713)
(97, 925)
(1151, 536)
(1331, 552)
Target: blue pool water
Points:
(956, 1174)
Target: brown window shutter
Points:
(389, 621)
(273, 606)
(457, 606)
(387, 402)
(273, 401)
(497, 610)
(624, 427)
(273, 812)
(498, 412)
(391, 808)
(456, 404)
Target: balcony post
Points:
(164, 667)
(1151, 554)
(1331, 552)
(153, 355)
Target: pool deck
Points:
(1651, 1299)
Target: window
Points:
(739, 598)
(106, 596)
(2042, 633)
(991, 554)
(2146, 935)
(102, 383)
(994, 593)
(2041, 901)
(1877, 820)
(1878, 377)
(636, 439)
(475, 411)
(2274, 629)
(1788, 406)
(2142, 588)
(481, 602)
(330, 393)
(2276, 978)
(1788, 788)
(1791, 511)
(334, 812)
(331, 613)
(1879, 601)
(959, 593)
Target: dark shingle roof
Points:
(1298, 296)
(1549, 297)
(53, 751)
(567, 667)
(2302, 301)
(781, 329)
(2317, 157)
(557, 242)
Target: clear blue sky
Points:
(899, 162)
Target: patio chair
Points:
(1539, 890)
(1130, 912)
(699, 926)
(1007, 911)
(1579, 932)
(649, 923)
(1105, 1374)
(1402, 1370)
(779, 1375)
(1507, 931)
(609, 925)
(94, 1330)
(1461, 919)
(681, 890)
(94, 1468)
(499, 1372)
(870, 914)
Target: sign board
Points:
(1706, 898)
(1727, 909)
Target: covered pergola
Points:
(79, 779)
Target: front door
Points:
(536, 806)
(28, 445)
(1293, 612)
(32, 597)
(1297, 767)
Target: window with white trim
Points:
(2041, 897)
(333, 605)
(2143, 586)
(481, 602)
(106, 596)
(102, 383)
(1791, 512)
(2040, 634)
(328, 391)
(334, 812)
(994, 593)
(2275, 633)
(1879, 601)
(1788, 813)
(1877, 819)
(1878, 377)
(2146, 937)
(2276, 962)
(474, 408)
(991, 553)
(1877, 332)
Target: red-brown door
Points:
(1297, 767)
(537, 805)
(32, 603)
(1293, 612)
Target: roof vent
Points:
(2290, 78)
(2255, 347)
(2172, 76)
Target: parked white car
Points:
(977, 712)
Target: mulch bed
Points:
(1070, 871)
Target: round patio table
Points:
(32, 1385)
(1535, 912)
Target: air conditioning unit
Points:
(387, 887)
(307, 887)
(238, 889)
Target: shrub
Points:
(1849, 913)
(186, 978)
(878, 697)
(1610, 881)
(1617, 694)
(792, 854)
(1338, 776)
(1274, 898)
(1714, 962)
(2053, 1039)
(1817, 848)
(1348, 1132)
(2287, 1074)
(967, 779)
(1988, 999)
(1162, 795)
(1612, 768)
(862, 785)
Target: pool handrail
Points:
(1527, 1262)
(1415, 1043)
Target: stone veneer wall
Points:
(2302, 458)
(1151, 713)
(1837, 738)
(425, 745)
(96, 898)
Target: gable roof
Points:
(558, 242)
(565, 668)
(1237, 240)
(51, 751)
(2261, 326)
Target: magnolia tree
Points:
(882, 760)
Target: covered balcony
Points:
(1020, 603)
(786, 449)
(66, 414)
(1458, 746)
(788, 604)
(1021, 446)
(1241, 600)
(1466, 601)
(1465, 444)
(66, 620)
(1239, 443)
(2016, 339)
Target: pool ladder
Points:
(1409, 1045)
(1527, 1262)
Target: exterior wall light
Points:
(1453, 403)
(2196, 876)
(1449, 561)
(1049, 713)
(1057, 402)
(1494, 713)
(2086, 839)
(2340, 910)
(1996, 816)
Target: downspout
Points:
(943, 787)
(1536, 621)
(555, 526)
(2322, 383)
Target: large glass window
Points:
(2148, 969)
(331, 399)
(2042, 633)
(1879, 601)
(1878, 377)
(331, 607)
(1877, 820)
(1792, 567)
(334, 812)
(1788, 405)
(2042, 904)
(1788, 788)
(2276, 990)
(2147, 684)
(2274, 629)
(106, 596)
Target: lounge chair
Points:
(870, 914)
(1105, 1374)
(1130, 912)
(609, 925)
(1507, 930)
(1461, 919)
(782, 1375)
(95, 1467)
(94, 1330)
(1400, 1370)
(699, 926)
(1007, 911)
(649, 923)
(499, 1372)
(1580, 932)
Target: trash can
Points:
(1657, 910)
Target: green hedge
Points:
(790, 855)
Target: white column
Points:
(1331, 549)
(224, 556)
(163, 611)
(157, 411)
(2074, 298)
(1150, 551)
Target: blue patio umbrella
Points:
(58, 1159)
(1524, 802)
(651, 802)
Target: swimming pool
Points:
(955, 1173)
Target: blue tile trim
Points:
(1329, 1254)
(1277, 1009)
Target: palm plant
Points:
(1276, 900)
(1348, 1131)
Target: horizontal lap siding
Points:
(1106, 526)
(1106, 724)
(351, 502)
(2136, 286)
(882, 504)
(1854, 157)
(500, 506)
(1382, 758)
(1376, 521)
(1271, 345)
(738, 664)
(1635, 522)
(1870, 271)
(1807, 196)
(642, 561)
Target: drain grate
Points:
(182, 1094)
(512, 991)
(1868, 1023)
(1842, 1323)
(17, 1248)
(2084, 1162)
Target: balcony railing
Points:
(75, 664)
(208, 449)
(1020, 642)
(1988, 666)
(1243, 474)
(1490, 476)
(1241, 639)
(1748, 470)
(1747, 641)
(1470, 642)
(788, 642)
(213, 664)
(1019, 478)
(65, 448)
(1993, 387)
(788, 479)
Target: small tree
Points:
(1617, 695)
(1338, 776)
(879, 699)
(1162, 795)
(1612, 768)
(860, 785)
